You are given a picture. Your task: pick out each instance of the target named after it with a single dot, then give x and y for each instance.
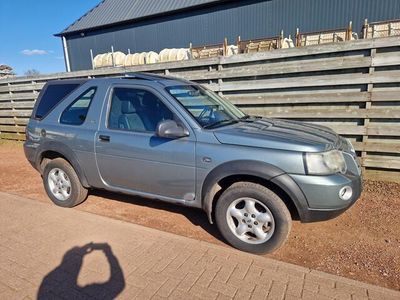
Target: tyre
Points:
(252, 218)
(62, 184)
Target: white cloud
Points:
(29, 52)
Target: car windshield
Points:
(209, 109)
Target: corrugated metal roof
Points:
(109, 12)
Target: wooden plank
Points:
(263, 69)
(377, 147)
(370, 130)
(19, 121)
(341, 113)
(27, 87)
(20, 129)
(293, 98)
(12, 136)
(386, 59)
(382, 129)
(19, 96)
(384, 162)
(308, 81)
(22, 87)
(15, 113)
(385, 96)
(349, 129)
(21, 104)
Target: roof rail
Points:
(145, 76)
(151, 76)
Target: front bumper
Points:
(316, 198)
(322, 195)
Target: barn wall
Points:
(249, 19)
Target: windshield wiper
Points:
(249, 118)
(220, 122)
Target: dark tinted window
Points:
(53, 94)
(136, 110)
(75, 114)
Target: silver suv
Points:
(173, 140)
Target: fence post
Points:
(368, 105)
(91, 58)
(365, 29)
(349, 31)
(225, 47)
(219, 68)
(112, 56)
(298, 42)
(12, 106)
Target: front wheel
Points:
(252, 218)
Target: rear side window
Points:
(53, 94)
(75, 113)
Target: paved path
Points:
(48, 252)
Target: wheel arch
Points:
(52, 150)
(265, 174)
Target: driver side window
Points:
(136, 110)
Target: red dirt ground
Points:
(362, 244)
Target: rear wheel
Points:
(62, 184)
(252, 218)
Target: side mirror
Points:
(171, 129)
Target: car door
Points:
(131, 157)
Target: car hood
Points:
(279, 134)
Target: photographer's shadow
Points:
(62, 282)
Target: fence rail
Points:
(352, 87)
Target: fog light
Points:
(345, 193)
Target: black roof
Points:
(111, 12)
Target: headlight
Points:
(351, 147)
(324, 163)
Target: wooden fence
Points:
(352, 87)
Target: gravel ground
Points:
(362, 244)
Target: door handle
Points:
(104, 138)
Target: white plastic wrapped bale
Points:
(287, 43)
(152, 57)
(142, 58)
(231, 50)
(98, 61)
(135, 59)
(182, 54)
(172, 54)
(128, 60)
(163, 56)
(131, 60)
(119, 58)
(106, 60)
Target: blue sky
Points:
(27, 29)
